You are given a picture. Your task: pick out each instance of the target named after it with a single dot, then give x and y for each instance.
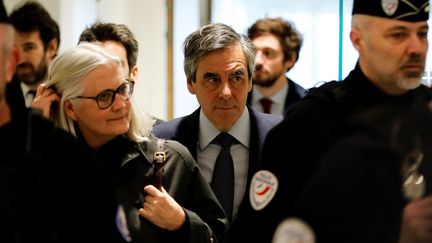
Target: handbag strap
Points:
(159, 161)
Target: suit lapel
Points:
(187, 132)
(255, 144)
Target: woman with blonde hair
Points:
(88, 95)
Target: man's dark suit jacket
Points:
(185, 130)
(295, 93)
(15, 98)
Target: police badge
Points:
(414, 185)
(405, 10)
(263, 188)
(389, 6)
(293, 230)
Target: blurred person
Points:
(38, 39)
(277, 44)
(53, 189)
(391, 39)
(94, 95)
(119, 40)
(380, 163)
(224, 135)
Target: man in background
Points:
(38, 39)
(119, 40)
(278, 44)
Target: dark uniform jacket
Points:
(295, 146)
(52, 188)
(356, 192)
(185, 130)
(132, 166)
(295, 93)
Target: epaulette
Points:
(331, 91)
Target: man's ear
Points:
(355, 36)
(190, 86)
(52, 49)
(289, 63)
(70, 110)
(11, 63)
(134, 73)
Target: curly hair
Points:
(289, 37)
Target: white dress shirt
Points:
(28, 97)
(207, 153)
(278, 99)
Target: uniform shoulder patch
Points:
(263, 187)
(293, 230)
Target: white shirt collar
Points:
(25, 88)
(278, 98)
(240, 130)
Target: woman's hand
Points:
(44, 99)
(161, 209)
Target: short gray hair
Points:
(65, 75)
(211, 38)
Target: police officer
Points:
(391, 39)
(362, 184)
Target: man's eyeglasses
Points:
(106, 98)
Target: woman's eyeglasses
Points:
(106, 98)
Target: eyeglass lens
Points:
(107, 97)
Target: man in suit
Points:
(219, 65)
(278, 45)
(38, 39)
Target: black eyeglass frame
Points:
(112, 93)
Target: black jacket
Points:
(15, 99)
(131, 165)
(356, 190)
(294, 148)
(52, 188)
